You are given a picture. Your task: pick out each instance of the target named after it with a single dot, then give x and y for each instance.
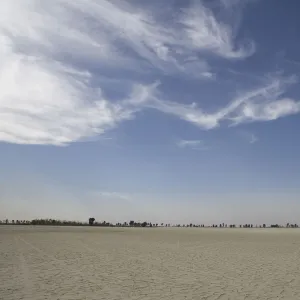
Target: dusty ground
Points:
(108, 263)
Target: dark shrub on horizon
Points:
(91, 221)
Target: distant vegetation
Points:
(93, 222)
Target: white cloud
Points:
(44, 103)
(115, 34)
(190, 113)
(192, 144)
(261, 104)
(206, 33)
(248, 136)
(55, 55)
(264, 104)
(267, 111)
(253, 139)
(52, 52)
(232, 4)
(110, 195)
(229, 3)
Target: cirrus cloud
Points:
(56, 60)
(192, 144)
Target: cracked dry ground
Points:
(148, 263)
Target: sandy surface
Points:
(163, 263)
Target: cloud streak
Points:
(116, 34)
(205, 33)
(192, 144)
(110, 195)
(253, 139)
(46, 104)
(56, 60)
(248, 136)
(265, 103)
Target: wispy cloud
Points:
(188, 112)
(265, 104)
(114, 195)
(192, 144)
(52, 54)
(206, 33)
(51, 104)
(116, 34)
(262, 104)
(54, 68)
(268, 111)
(253, 139)
(247, 136)
(110, 195)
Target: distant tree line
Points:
(53, 222)
(92, 222)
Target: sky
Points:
(167, 111)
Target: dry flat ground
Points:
(148, 263)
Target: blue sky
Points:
(177, 111)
